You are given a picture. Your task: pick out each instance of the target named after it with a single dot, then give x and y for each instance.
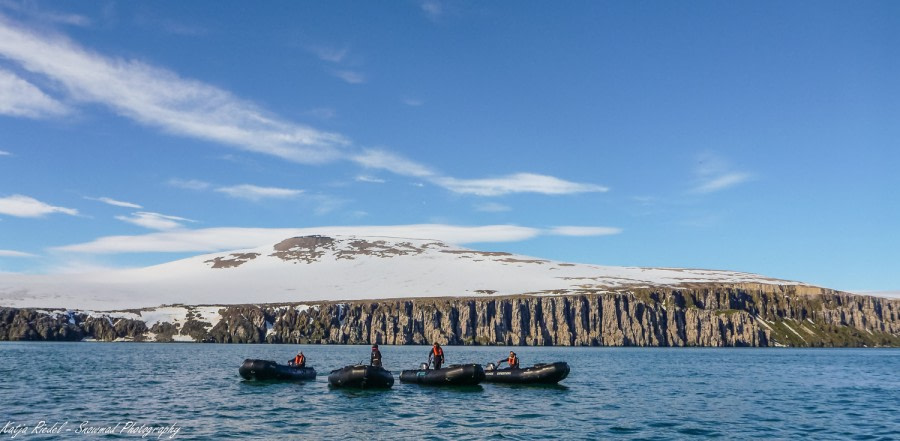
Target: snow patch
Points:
(209, 314)
(762, 322)
(348, 268)
(792, 330)
(170, 314)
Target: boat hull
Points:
(361, 376)
(549, 373)
(270, 370)
(454, 375)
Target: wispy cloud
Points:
(325, 204)
(492, 207)
(433, 9)
(413, 102)
(160, 98)
(714, 173)
(220, 239)
(5, 153)
(330, 54)
(322, 113)
(243, 191)
(189, 184)
(516, 183)
(21, 98)
(392, 162)
(30, 9)
(13, 253)
(722, 182)
(255, 193)
(23, 206)
(584, 231)
(154, 221)
(114, 202)
(350, 76)
(370, 179)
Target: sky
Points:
(749, 136)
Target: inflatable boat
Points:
(361, 376)
(454, 375)
(269, 370)
(541, 373)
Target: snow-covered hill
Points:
(316, 268)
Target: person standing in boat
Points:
(436, 356)
(376, 356)
(298, 361)
(513, 361)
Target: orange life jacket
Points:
(438, 352)
(299, 359)
(513, 361)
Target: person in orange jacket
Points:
(298, 361)
(436, 355)
(513, 361)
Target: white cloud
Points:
(21, 98)
(13, 253)
(160, 98)
(384, 160)
(492, 207)
(243, 191)
(189, 184)
(584, 231)
(714, 173)
(24, 206)
(412, 102)
(370, 179)
(154, 221)
(219, 239)
(722, 182)
(114, 202)
(516, 183)
(350, 76)
(5, 153)
(433, 9)
(255, 193)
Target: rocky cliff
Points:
(701, 315)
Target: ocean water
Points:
(193, 391)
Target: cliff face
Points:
(735, 315)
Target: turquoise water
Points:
(627, 393)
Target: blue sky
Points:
(750, 136)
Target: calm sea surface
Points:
(611, 393)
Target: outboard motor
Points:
(490, 367)
(423, 366)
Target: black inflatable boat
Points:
(541, 373)
(269, 370)
(361, 376)
(454, 375)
